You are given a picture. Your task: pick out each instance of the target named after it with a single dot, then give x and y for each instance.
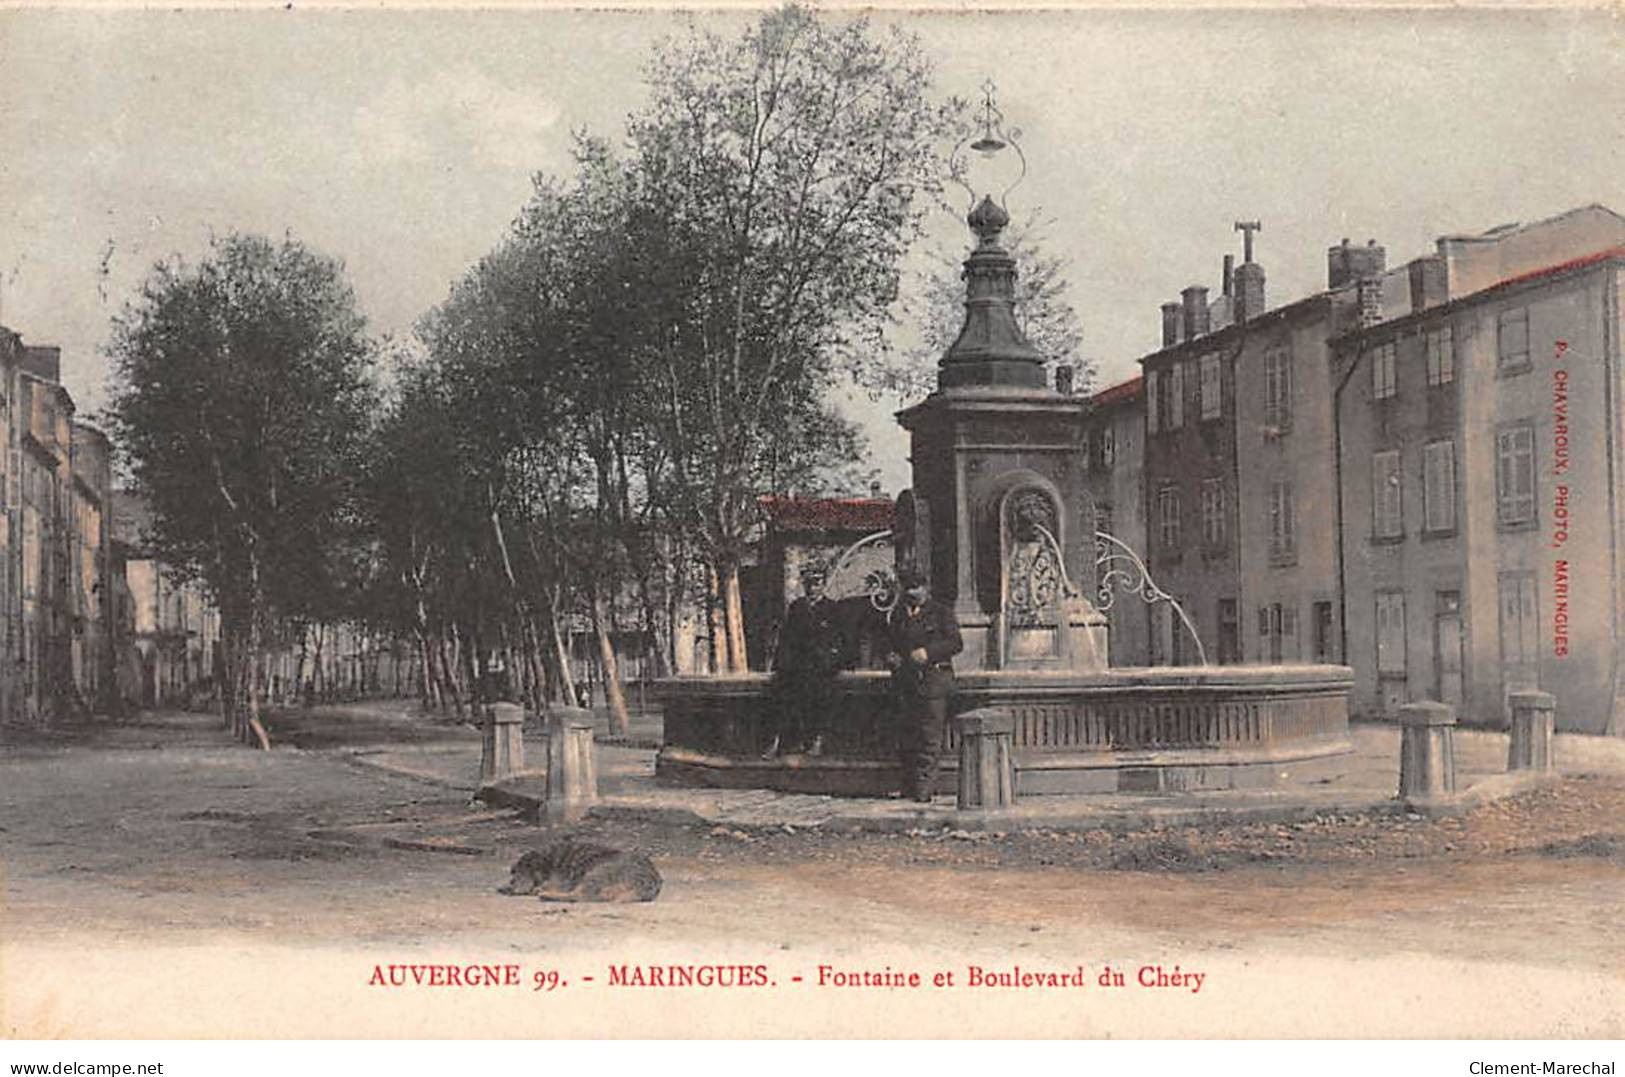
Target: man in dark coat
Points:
(924, 637)
(811, 651)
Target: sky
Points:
(404, 142)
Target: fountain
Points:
(999, 520)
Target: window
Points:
(1515, 474)
(1439, 486)
(1441, 348)
(1213, 512)
(1390, 633)
(1277, 391)
(1103, 517)
(1229, 632)
(1173, 392)
(1108, 448)
(1519, 633)
(1277, 633)
(1212, 403)
(1283, 525)
(1512, 340)
(1153, 399)
(1323, 632)
(1168, 520)
(1383, 383)
(1387, 506)
(1179, 635)
(1161, 630)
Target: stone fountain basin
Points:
(1167, 729)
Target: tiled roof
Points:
(1123, 390)
(864, 514)
(1561, 267)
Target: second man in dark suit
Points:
(924, 637)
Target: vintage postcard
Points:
(789, 522)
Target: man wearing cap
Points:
(924, 637)
(811, 651)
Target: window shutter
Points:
(1289, 517)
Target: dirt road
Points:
(160, 881)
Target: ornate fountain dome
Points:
(991, 350)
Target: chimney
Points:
(1370, 293)
(1063, 378)
(1346, 264)
(43, 361)
(1429, 285)
(1170, 324)
(1229, 274)
(874, 488)
(1196, 313)
(1249, 287)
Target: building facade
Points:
(1114, 433)
(1389, 473)
(11, 653)
(55, 485)
(1479, 440)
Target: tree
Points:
(243, 402)
(781, 179)
(934, 310)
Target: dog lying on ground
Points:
(570, 870)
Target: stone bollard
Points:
(503, 750)
(987, 774)
(1532, 728)
(572, 759)
(1427, 751)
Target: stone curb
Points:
(360, 760)
(1033, 813)
(1485, 791)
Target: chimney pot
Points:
(1345, 265)
(1196, 312)
(1170, 324)
(1063, 379)
(1249, 291)
(1229, 273)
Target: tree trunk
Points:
(561, 652)
(734, 617)
(254, 724)
(620, 720)
(715, 631)
(535, 668)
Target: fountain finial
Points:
(991, 349)
(990, 141)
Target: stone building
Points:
(1240, 512)
(804, 529)
(1381, 474)
(1114, 459)
(55, 475)
(1479, 440)
(46, 531)
(11, 654)
(91, 648)
(167, 629)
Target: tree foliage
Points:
(243, 402)
(788, 172)
(650, 349)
